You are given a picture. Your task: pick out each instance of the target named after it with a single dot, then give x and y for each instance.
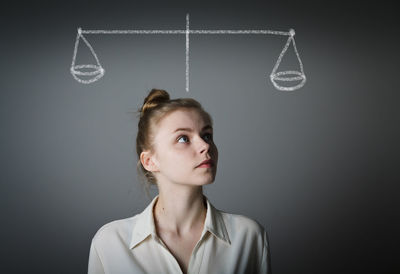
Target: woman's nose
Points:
(204, 146)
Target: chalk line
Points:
(187, 52)
(271, 32)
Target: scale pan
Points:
(87, 74)
(288, 76)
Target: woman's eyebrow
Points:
(190, 130)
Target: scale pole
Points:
(187, 52)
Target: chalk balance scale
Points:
(89, 73)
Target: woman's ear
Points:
(147, 160)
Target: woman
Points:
(180, 231)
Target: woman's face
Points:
(182, 141)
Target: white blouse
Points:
(229, 243)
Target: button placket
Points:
(160, 242)
(198, 249)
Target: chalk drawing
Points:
(286, 75)
(85, 71)
(89, 73)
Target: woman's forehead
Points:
(182, 118)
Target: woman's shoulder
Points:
(121, 231)
(241, 224)
(121, 228)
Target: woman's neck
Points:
(180, 209)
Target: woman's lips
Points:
(207, 163)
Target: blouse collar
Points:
(145, 226)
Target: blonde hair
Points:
(156, 106)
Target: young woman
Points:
(180, 231)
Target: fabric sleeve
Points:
(95, 265)
(266, 257)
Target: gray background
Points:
(317, 167)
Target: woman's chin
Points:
(205, 182)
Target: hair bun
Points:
(155, 98)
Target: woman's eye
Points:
(208, 137)
(183, 137)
